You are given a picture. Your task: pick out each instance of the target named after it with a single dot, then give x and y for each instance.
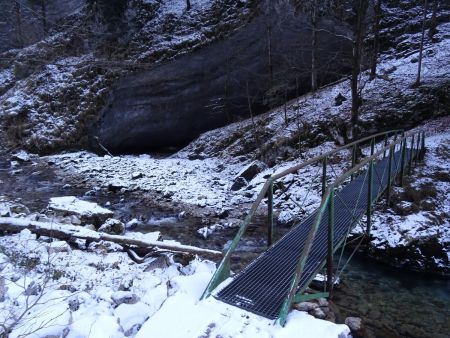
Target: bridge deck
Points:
(263, 285)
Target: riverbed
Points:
(392, 303)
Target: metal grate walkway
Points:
(263, 285)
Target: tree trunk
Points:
(422, 38)
(70, 232)
(19, 33)
(376, 39)
(188, 5)
(314, 11)
(269, 52)
(44, 17)
(361, 9)
(433, 22)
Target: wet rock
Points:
(355, 325)
(133, 224)
(112, 226)
(124, 297)
(318, 313)
(253, 169)
(239, 183)
(306, 306)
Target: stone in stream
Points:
(112, 226)
(87, 212)
(355, 325)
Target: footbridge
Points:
(280, 276)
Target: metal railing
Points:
(399, 141)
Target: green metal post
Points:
(411, 154)
(353, 158)
(369, 199)
(402, 164)
(330, 241)
(372, 147)
(422, 150)
(270, 215)
(385, 144)
(324, 176)
(388, 188)
(416, 159)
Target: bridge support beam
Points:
(324, 176)
(389, 179)
(330, 241)
(270, 215)
(369, 199)
(411, 154)
(402, 164)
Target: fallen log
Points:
(70, 232)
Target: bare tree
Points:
(359, 30)
(188, 5)
(433, 23)
(376, 38)
(422, 38)
(19, 31)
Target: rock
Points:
(132, 316)
(323, 302)
(306, 306)
(74, 304)
(115, 186)
(126, 283)
(32, 289)
(87, 212)
(339, 99)
(133, 224)
(239, 183)
(75, 220)
(223, 213)
(136, 175)
(252, 170)
(112, 226)
(21, 156)
(318, 313)
(158, 263)
(3, 289)
(58, 246)
(124, 297)
(355, 325)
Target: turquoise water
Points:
(394, 303)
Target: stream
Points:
(392, 303)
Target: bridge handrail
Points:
(327, 203)
(223, 270)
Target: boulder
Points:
(112, 226)
(355, 325)
(124, 297)
(251, 170)
(306, 306)
(87, 212)
(239, 183)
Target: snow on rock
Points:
(87, 211)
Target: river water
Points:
(392, 303)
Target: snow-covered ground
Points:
(415, 231)
(50, 289)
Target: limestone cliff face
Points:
(174, 103)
